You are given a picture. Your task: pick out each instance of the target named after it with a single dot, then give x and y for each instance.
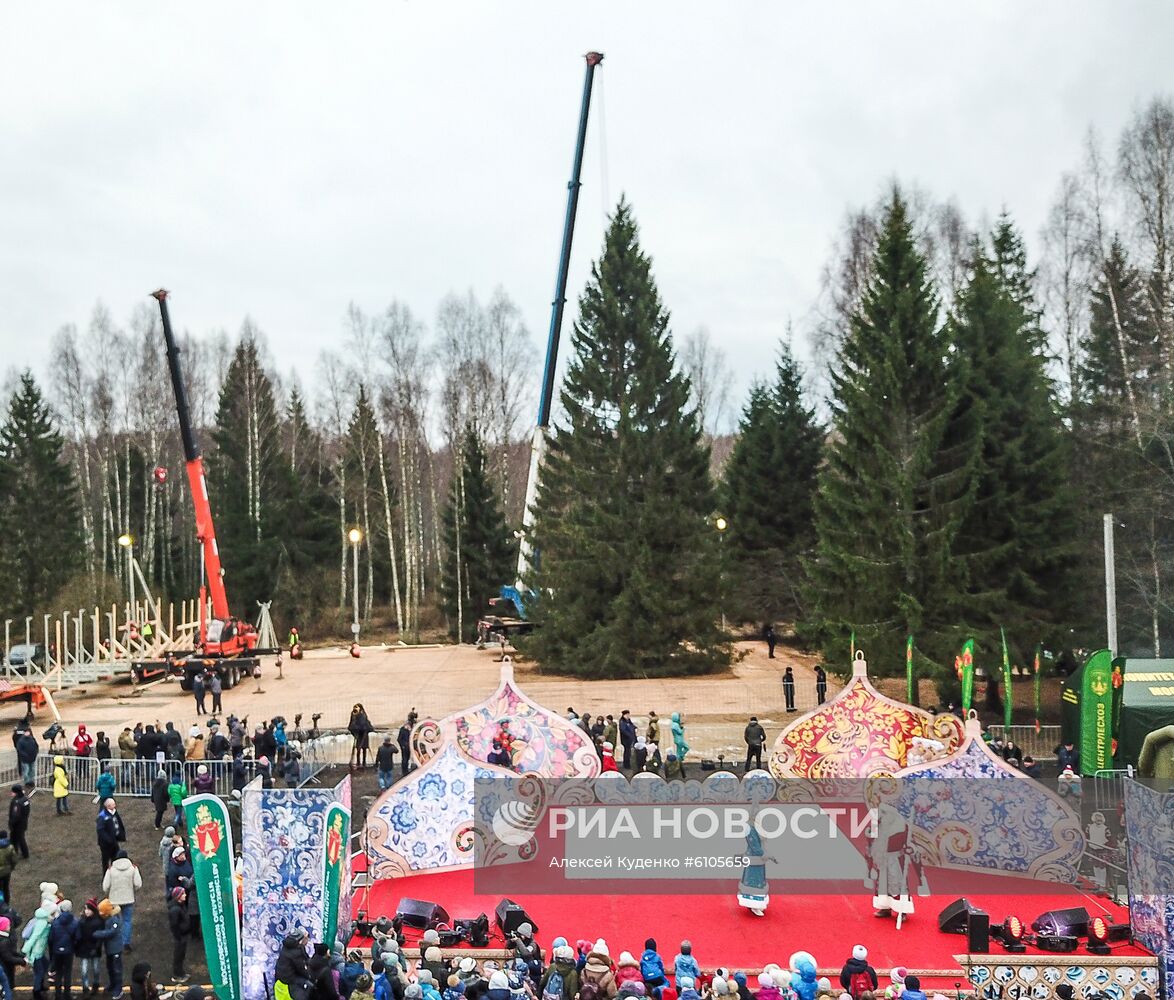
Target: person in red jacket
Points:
(83, 742)
(609, 758)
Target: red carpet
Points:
(725, 934)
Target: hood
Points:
(599, 959)
(627, 959)
(122, 864)
(41, 913)
(676, 716)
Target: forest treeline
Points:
(942, 468)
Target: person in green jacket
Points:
(106, 784)
(177, 792)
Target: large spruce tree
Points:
(479, 554)
(767, 493)
(899, 474)
(250, 481)
(627, 567)
(1018, 536)
(39, 517)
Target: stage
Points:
(724, 934)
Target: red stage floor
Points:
(725, 934)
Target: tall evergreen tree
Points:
(249, 480)
(899, 474)
(769, 485)
(1018, 536)
(39, 517)
(627, 564)
(479, 556)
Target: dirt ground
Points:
(438, 680)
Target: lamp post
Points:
(128, 543)
(721, 524)
(355, 536)
(1110, 586)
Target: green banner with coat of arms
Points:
(210, 834)
(338, 833)
(1096, 713)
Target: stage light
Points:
(1098, 936)
(1012, 935)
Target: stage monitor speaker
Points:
(978, 932)
(952, 920)
(1056, 942)
(421, 914)
(510, 916)
(1062, 923)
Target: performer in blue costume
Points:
(753, 888)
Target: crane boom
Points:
(538, 443)
(205, 529)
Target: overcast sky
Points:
(283, 159)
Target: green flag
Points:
(1037, 681)
(909, 670)
(210, 833)
(1008, 704)
(338, 833)
(852, 645)
(966, 675)
(1096, 713)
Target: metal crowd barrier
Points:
(1041, 745)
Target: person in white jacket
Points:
(121, 881)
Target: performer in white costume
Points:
(893, 865)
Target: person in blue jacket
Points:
(651, 967)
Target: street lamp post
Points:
(355, 536)
(721, 524)
(1110, 587)
(127, 542)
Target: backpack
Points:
(553, 990)
(858, 984)
(590, 991)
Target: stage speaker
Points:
(978, 932)
(421, 914)
(1056, 942)
(510, 916)
(952, 920)
(1062, 923)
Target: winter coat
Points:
(111, 831)
(8, 857)
(853, 967)
(679, 743)
(768, 993)
(177, 871)
(36, 945)
(178, 919)
(754, 735)
(570, 977)
(627, 732)
(159, 796)
(628, 974)
(218, 746)
(321, 977)
(63, 934)
(385, 756)
(121, 880)
(27, 748)
(18, 813)
(204, 783)
(60, 781)
(196, 749)
(88, 946)
(82, 742)
(598, 970)
(686, 965)
(651, 966)
(127, 746)
(106, 785)
(176, 793)
(111, 933)
(913, 995)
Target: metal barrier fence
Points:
(1041, 745)
(134, 778)
(1109, 788)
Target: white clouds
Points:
(283, 159)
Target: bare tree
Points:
(710, 380)
(1066, 273)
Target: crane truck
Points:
(507, 615)
(225, 645)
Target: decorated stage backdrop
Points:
(1149, 829)
(284, 839)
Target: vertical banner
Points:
(1118, 699)
(1037, 681)
(206, 817)
(1008, 701)
(335, 858)
(1096, 713)
(909, 692)
(966, 675)
(852, 647)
